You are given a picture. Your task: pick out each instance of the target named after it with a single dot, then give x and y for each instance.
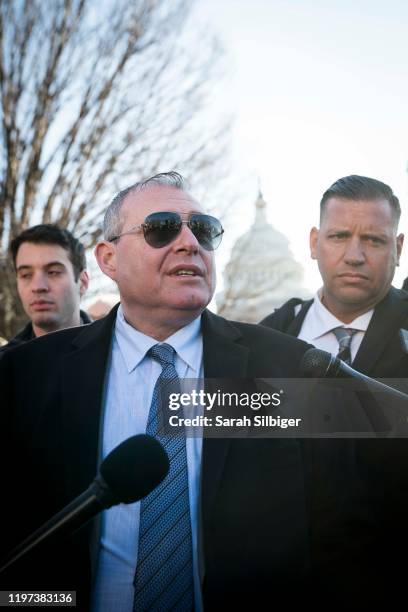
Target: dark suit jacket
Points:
(381, 464)
(382, 353)
(259, 506)
(27, 333)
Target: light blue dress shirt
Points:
(130, 383)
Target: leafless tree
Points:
(94, 96)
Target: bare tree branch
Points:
(94, 96)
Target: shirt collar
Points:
(134, 345)
(324, 321)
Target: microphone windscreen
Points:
(134, 468)
(315, 363)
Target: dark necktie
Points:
(164, 572)
(344, 337)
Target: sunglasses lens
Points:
(208, 231)
(161, 228)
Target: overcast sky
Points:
(319, 90)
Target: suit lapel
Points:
(389, 315)
(83, 376)
(223, 358)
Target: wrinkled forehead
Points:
(157, 198)
(364, 213)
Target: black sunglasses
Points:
(161, 228)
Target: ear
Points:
(83, 282)
(314, 236)
(400, 242)
(105, 254)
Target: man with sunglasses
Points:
(230, 523)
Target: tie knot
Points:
(344, 335)
(163, 354)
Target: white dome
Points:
(261, 274)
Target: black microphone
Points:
(321, 364)
(129, 473)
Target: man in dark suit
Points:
(360, 317)
(357, 249)
(251, 515)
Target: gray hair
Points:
(113, 221)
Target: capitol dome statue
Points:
(261, 273)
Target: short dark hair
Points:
(113, 222)
(48, 233)
(356, 187)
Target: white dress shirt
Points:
(129, 389)
(318, 325)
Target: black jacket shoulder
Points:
(269, 350)
(282, 318)
(27, 333)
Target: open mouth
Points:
(185, 273)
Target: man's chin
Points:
(355, 296)
(45, 323)
(192, 302)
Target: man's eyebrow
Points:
(375, 234)
(48, 265)
(364, 234)
(54, 263)
(186, 214)
(23, 267)
(337, 229)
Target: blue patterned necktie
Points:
(344, 336)
(164, 572)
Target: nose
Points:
(39, 283)
(354, 254)
(186, 241)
